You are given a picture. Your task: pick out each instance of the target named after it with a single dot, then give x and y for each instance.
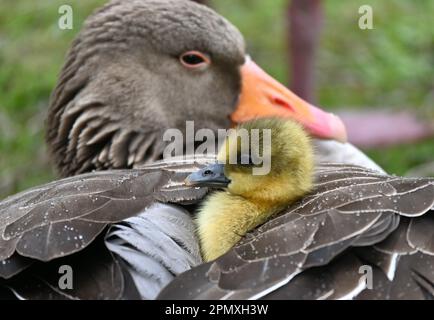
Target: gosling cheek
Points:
(232, 188)
(236, 188)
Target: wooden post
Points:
(304, 19)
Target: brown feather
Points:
(311, 233)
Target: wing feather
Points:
(65, 216)
(350, 207)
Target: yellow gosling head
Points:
(264, 160)
(276, 166)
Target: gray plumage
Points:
(337, 152)
(157, 246)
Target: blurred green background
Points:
(390, 66)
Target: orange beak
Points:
(262, 97)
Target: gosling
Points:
(248, 199)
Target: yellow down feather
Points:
(250, 200)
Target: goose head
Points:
(141, 67)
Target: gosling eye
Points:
(195, 60)
(207, 172)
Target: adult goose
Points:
(143, 66)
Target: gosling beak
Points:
(262, 96)
(210, 176)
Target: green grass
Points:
(400, 158)
(32, 49)
(390, 66)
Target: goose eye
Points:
(194, 59)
